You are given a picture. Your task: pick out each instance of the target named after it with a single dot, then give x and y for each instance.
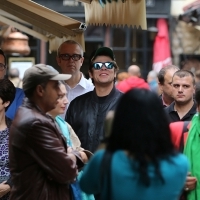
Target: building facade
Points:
(131, 46)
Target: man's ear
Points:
(160, 87)
(58, 60)
(115, 75)
(6, 104)
(82, 59)
(90, 74)
(194, 89)
(39, 90)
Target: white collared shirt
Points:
(82, 87)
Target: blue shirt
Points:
(124, 179)
(19, 96)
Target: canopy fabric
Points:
(120, 13)
(55, 25)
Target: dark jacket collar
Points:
(109, 97)
(192, 111)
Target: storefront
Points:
(131, 46)
(185, 37)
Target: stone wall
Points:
(185, 39)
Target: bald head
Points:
(134, 70)
(13, 73)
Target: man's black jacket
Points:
(86, 115)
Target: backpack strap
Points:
(105, 171)
(184, 131)
(178, 136)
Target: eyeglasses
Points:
(99, 65)
(74, 57)
(2, 66)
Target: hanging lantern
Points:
(16, 43)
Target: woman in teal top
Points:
(71, 139)
(139, 162)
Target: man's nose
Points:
(103, 67)
(71, 59)
(180, 89)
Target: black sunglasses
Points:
(74, 57)
(99, 65)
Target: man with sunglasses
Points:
(70, 59)
(86, 113)
(19, 94)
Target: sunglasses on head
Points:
(99, 65)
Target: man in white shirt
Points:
(70, 59)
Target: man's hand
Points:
(83, 156)
(190, 183)
(69, 149)
(4, 189)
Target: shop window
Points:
(119, 37)
(136, 38)
(94, 32)
(120, 59)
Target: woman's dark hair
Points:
(140, 126)
(7, 91)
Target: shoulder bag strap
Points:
(106, 174)
(185, 130)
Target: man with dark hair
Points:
(70, 59)
(40, 165)
(164, 81)
(185, 136)
(86, 113)
(183, 88)
(19, 95)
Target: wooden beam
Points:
(41, 22)
(23, 28)
(35, 16)
(46, 13)
(12, 17)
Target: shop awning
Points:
(123, 12)
(23, 28)
(48, 24)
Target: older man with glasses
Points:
(86, 113)
(70, 59)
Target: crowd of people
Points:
(113, 137)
